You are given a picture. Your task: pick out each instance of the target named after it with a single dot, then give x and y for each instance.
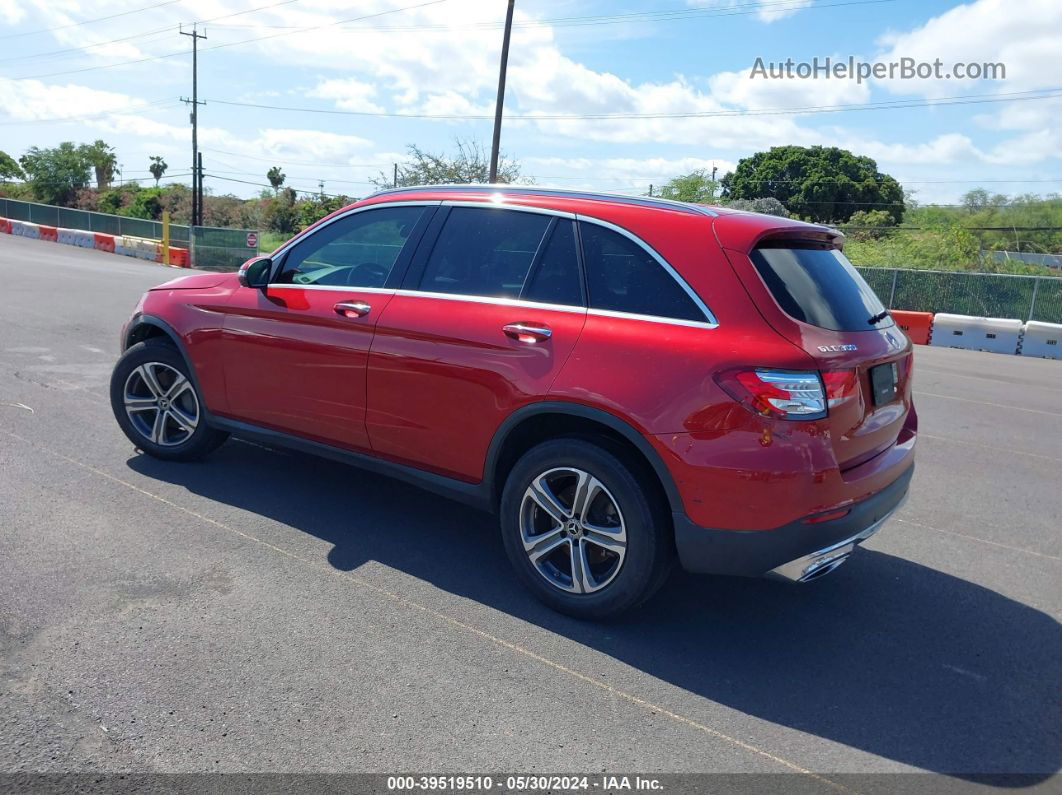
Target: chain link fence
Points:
(209, 247)
(979, 294)
(218, 249)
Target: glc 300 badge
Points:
(838, 348)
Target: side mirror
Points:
(255, 272)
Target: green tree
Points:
(869, 225)
(697, 187)
(823, 184)
(9, 169)
(57, 174)
(276, 178)
(471, 164)
(766, 206)
(157, 168)
(104, 161)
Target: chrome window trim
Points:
(671, 321)
(709, 323)
(496, 300)
(565, 193)
(339, 288)
(710, 320)
(346, 214)
(501, 205)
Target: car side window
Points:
(624, 277)
(554, 277)
(484, 252)
(356, 251)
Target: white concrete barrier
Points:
(25, 229)
(997, 335)
(1042, 339)
(83, 239)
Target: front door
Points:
(295, 352)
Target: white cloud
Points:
(768, 11)
(349, 94)
(32, 99)
(1025, 35)
(744, 91)
(11, 11)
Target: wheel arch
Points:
(148, 327)
(537, 422)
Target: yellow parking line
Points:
(982, 540)
(986, 403)
(605, 686)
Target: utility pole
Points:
(395, 184)
(650, 188)
(197, 177)
(501, 93)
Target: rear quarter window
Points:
(819, 286)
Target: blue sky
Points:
(644, 64)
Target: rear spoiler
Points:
(821, 237)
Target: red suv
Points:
(625, 381)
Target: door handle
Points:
(524, 332)
(352, 309)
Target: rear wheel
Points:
(582, 533)
(157, 405)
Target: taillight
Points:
(841, 385)
(777, 393)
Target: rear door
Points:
(295, 352)
(811, 294)
(488, 314)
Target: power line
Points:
(264, 185)
(142, 34)
(273, 161)
(609, 19)
(156, 105)
(88, 21)
(231, 43)
(969, 99)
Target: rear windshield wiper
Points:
(880, 316)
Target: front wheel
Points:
(157, 405)
(582, 533)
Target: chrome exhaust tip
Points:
(816, 565)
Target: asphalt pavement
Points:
(268, 611)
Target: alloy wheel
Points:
(161, 404)
(572, 530)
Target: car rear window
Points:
(819, 286)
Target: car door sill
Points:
(476, 495)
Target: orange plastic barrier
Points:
(104, 242)
(49, 233)
(917, 325)
(179, 257)
(5, 226)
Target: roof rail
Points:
(525, 190)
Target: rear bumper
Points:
(795, 551)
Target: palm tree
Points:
(103, 160)
(157, 168)
(276, 178)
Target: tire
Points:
(151, 381)
(627, 546)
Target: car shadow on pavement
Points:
(887, 656)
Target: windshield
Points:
(819, 286)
